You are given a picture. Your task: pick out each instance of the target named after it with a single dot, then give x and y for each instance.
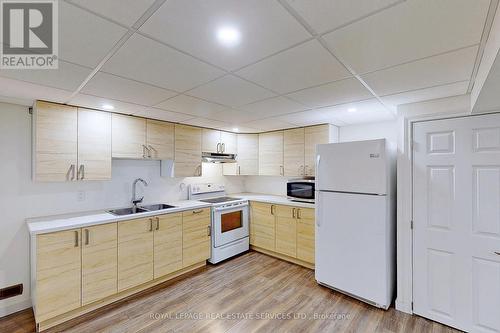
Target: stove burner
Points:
(220, 199)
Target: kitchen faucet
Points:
(136, 201)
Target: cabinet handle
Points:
(239, 170)
(218, 147)
(223, 147)
(150, 225)
(150, 149)
(306, 172)
(293, 212)
(144, 150)
(80, 175)
(76, 238)
(87, 236)
(282, 170)
(72, 171)
(299, 216)
(209, 231)
(197, 211)
(273, 209)
(157, 223)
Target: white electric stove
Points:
(230, 220)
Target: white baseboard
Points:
(404, 307)
(12, 308)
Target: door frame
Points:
(409, 114)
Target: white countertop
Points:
(46, 224)
(274, 199)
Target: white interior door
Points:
(456, 277)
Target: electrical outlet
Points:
(81, 196)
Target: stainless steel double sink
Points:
(141, 209)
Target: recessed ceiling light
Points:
(352, 110)
(228, 36)
(108, 107)
(236, 129)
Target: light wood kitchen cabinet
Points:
(129, 137)
(187, 151)
(195, 236)
(167, 244)
(314, 135)
(55, 142)
(262, 225)
(218, 141)
(228, 142)
(58, 273)
(293, 152)
(160, 140)
(305, 234)
(247, 159)
(94, 145)
(99, 262)
(286, 230)
(271, 153)
(135, 253)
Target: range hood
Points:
(218, 157)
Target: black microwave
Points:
(301, 190)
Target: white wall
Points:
(266, 184)
(20, 198)
(387, 130)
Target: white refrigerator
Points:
(355, 219)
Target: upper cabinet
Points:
(129, 137)
(313, 136)
(55, 142)
(160, 139)
(293, 152)
(214, 141)
(187, 151)
(247, 157)
(71, 143)
(271, 153)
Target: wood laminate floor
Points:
(250, 293)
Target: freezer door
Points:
(358, 167)
(354, 245)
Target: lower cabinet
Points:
(196, 236)
(286, 231)
(82, 269)
(135, 253)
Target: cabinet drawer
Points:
(305, 214)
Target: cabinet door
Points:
(187, 151)
(135, 253)
(195, 236)
(314, 135)
(129, 137)
(211, 141)
(58, 273)
(248, 154)
(99, 262)
(262, 225)
(56, 134)
(167, 244)
(305, 234)
(293, 152)
(271, 154)
(286, 230)
(94, 145)
(160, 139)
(229, 142)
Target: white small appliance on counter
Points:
(229, 220)
(355, 219)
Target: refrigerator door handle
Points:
(317, 209)
(318, 159)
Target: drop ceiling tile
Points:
(146, 60)
(159, 114)
(303, 66)
(95, 102)
(271, 107)
(192, 106)
(269, 124)
(265, 28)
(411, 30)
(306, 118)
(447, 90)
(338, 92)
(325, 15)
(231, 91)
(30, 92)
(438, 70)
(67, 77)
(126, 12)
(241, 129)
(85, 38)
(366, 111)
(209, 123)
(115, 87)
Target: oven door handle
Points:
(235, 208)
